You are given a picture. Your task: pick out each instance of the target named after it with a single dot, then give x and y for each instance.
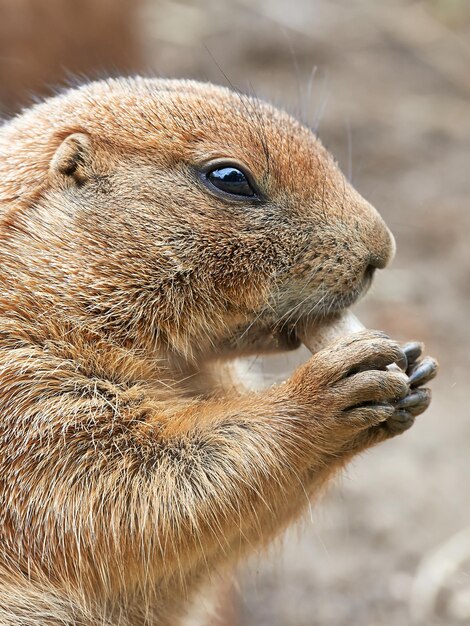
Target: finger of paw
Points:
(336, 365)
(367, 416)
(362, 335)
(371, 386)
(367, 355)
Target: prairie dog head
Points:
(183, 212)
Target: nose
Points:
(384, 248)
(381, 248)
(377, 240)
(380, 257)
(380, 244)
(377, 261)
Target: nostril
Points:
(369, 272)
(377, 261)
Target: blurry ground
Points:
(392, 93)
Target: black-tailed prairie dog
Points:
(151, 230)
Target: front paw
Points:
(347, 388)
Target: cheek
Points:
(239, 268)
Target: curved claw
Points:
(423, 372)
(415, 402)
(413, 350)
(402, 362)
(400, 421)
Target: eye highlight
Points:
(230, 181)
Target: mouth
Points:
(319, 322)
(317, 334)
(285, 328)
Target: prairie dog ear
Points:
(72, 158)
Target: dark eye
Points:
(230, 180)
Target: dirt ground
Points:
(388, 85)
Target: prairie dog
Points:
(149, 230)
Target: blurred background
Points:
(387, 84)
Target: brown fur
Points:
(129, 476)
